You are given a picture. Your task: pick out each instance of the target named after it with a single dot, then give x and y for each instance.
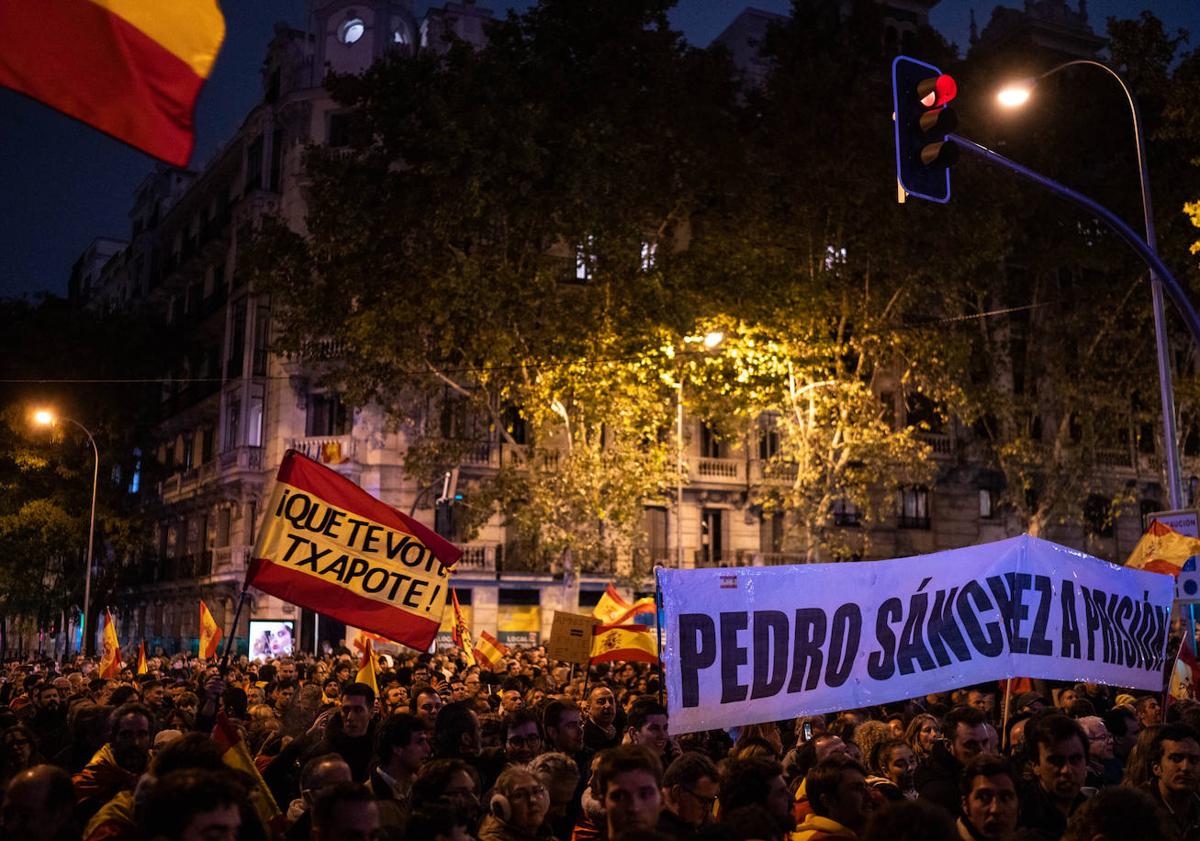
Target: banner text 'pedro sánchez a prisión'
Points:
(766, 643)
(328, 545)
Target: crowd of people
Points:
(534, 751)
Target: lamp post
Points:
(710, 341)
(44, 417)
(1018, 94)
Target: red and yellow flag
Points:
(461, 633)
(210, 633)
(489, 651)
(612, 609)
(235, 754)
(130, 68)
(142, 668)
(624, 643)
(328, 545)
(1162, 549)
(368, 664)
(110, 656)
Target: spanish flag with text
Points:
(329, 546)
(130, 68)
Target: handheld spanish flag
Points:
(130, 68)
(235, 755)
(1162, 549)
(142, 668)
(210, 633)
(612, 609)
(624, 643)
(367, 664)
(461, 633)
(328, 545)
(110, 657)
(489, 651)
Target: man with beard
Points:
(1058, 749)
(599, 729)
(47, 718)
(116, 766)
(1175, 764)
(989, 800)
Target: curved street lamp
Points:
(45, 417)
(1017, 94)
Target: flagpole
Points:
(237, 614)
(1007, 705)
(658, 612)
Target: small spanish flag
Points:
(367, 664)
(210, 633)
(110, 657)
(130, 68)
(1162, 549)
(236, 756)
(461, 633)
(624, 643)
(612, 609)
(142, 668)
(489, 651)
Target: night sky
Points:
(64, 184)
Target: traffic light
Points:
(920, 97)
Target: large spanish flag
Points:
(131, 68)
(1163, 550)
(612, 609)
(328, 545)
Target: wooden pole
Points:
(1007, 713)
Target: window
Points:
(657, 525)
(237, 341)
(189, 451)
(352, 31)
(649, 255)
(207, 435)
(845, 513)
(768, 440)
(987, 504)
(254, 162)
(514, 424)
(262, 337)
(233, 424)
(914, 508)
(710, 444)
(276, 158)
(770, 533)
(340, 130)
(254, 418)
(1098, 516)
(712, 536)
(326, 415)
(585, 261)
(221, 533)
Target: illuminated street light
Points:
(711, 341)
(1015, 95)
(45, 417)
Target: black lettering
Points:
(697, 651)
(1070, 622)
(1121, 619)
(371, 537)
(333, 523)
(732, 656)
(282, 502)
(843, 644)
(406, 554)
(416, 588)
(398, 578)
(808, 629)
(974, 598)
(357, 524)
(297, 542)
(358, 568)
(338, 567)
(944, 630)
(770, 645)
(1091, 622)
(1038, 644)
(290, 513)
(394, 546)
(881, 664)
(912, 639)
(375, 588)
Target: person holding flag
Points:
(461, 633)
(368, 664)
(210, 633)
(110, 657)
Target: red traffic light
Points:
(937, 91)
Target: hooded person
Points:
(118, 764)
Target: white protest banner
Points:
(757, 644)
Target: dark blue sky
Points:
(62, 183)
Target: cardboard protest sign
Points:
(571, 638)
(767, 643)
(328, 545)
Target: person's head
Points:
(456, 731)
(989, 797)
(511, 697)
(690, 786)
(153, 692)
(560, 775)
(563, 728)
(626, 781)
(319, 773)
(1057, 747)
(981, 699)
(438, 822)
(282, 694)
(1175, 760)
(1124, 726)
(331, 688)
(1148, 710)
(450, 779)
(345, 812)
(755, 781)
(519, 799)
(129, 733)
(1117, 813)
(837, 789)
(894, 759)
(255, 696)
(922, 734)
(39, 805)
(402, 745)
(472, 683)
(426, 702)
(285, 669)
(48, 697)
(647, 725)
(965, 732)
(1100, 741)
(193, 805)
(602, 705)
(357, 706)
(522, 739)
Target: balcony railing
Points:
(479, 557)
(327, 449)
(941, 443)
(242, 458)
(719, 469)
(774, 472)
(230, 558)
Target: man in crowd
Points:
(627, 782)
(841, 801)
(517, 809)
(647, 725)
(599, 730)
(690, 786)
(966, 737)
(345, 812)
(1175, 765)
(990, 802)
(39, 806)
(118, 764)
(1057, 747)
(318, 774)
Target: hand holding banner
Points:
(767, 643)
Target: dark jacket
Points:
(595, 738)
(1040, 817)
(937, 779)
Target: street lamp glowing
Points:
(711, 340)
(1016, 95)
(43, 417)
